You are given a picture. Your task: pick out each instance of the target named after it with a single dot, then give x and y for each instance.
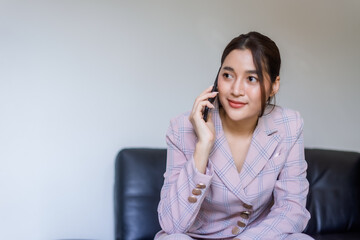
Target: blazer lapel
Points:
(222, 161)
(264, 142)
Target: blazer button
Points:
(200, 185)
(196, 191)
(245, 214)
(247, 206)
(241, 224)
(235, 230)
(192, 199)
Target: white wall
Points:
(79, 80)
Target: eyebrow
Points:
(252, 72)
(247, 71)
(229, 69)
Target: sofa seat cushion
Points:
(338, 236)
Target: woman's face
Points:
(239, 86)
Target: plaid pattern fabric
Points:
(271, 187)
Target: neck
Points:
(243, 128)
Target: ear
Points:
(275, 86)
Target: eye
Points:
(227, 75)
(252, 79)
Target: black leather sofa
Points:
(333, 200)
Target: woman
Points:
(241, 174)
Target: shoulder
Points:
(281, 113)
(181, 129)
(285, 120)
(181, 121)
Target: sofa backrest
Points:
(334, 194)
(138, 181)
(333, 199)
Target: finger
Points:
(210, 94)
(201, 107)
(207, 90)
(203, 98)
(206, 96)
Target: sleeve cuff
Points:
(197, 179)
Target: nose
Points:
(238, 88)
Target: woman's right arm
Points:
(205, 131)
(186, 179)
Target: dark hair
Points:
(266, 57)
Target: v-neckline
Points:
(227, 145)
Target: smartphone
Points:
(211, 100)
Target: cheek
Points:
(220, 84)
(222, 89)
(254, 93)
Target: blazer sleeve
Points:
(288, 216)
(179, 206)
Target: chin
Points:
(237, 115)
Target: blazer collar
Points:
(264, 142)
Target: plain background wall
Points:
(79, 80)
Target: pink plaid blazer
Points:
(266, 200)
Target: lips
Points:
(236, 104)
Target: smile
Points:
(236, 104)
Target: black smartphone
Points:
(211, 100)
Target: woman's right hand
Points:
(205, 131)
